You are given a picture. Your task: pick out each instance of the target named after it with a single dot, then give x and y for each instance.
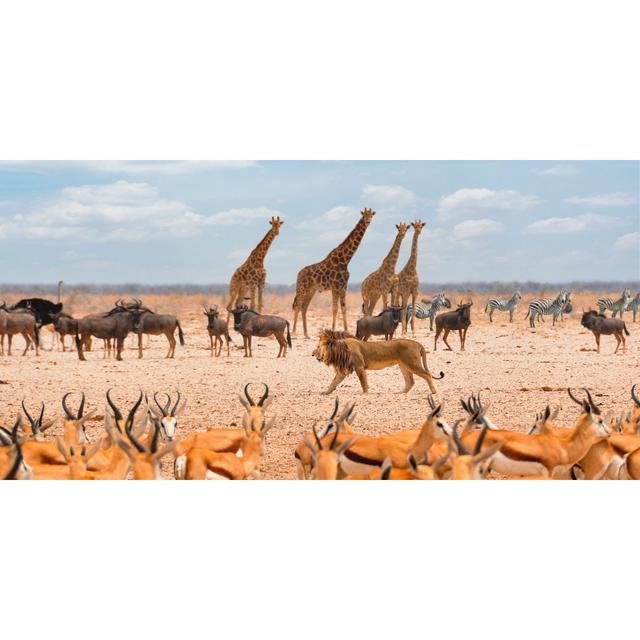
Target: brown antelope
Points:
(204, 464)
(369, 452)
(145, 462)
(12, 464)
(37, 425)
(630, 469)
(415, 470)
(219, 439)
(326, 459)
(546, 455)
(47, 453)
(472, 466)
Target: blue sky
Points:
(161, 222)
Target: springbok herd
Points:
(135, 441)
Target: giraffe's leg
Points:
(305, 307)
(385, 299)
(260, 294)
(413, 311)
(335, 296)
(343, 307)
(403, 304)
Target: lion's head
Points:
(333, 350)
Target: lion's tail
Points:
(423, 354)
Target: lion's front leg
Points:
(339, 377)
(364, 383)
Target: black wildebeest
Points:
(148, 322)
(248, 323)
(217, 328)
(599, 325)
(113, 325)
(458, 320)
(41, 308)
(22, 321)
(383, 324)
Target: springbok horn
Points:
(335, 409)
(580, 402)
(16, 427)
(480, 440)
(155, 399)
(595, 409)
(13, 472)
(634, 396)
(335, 437)
(132, 438)
(66, 408)
(175, 406)
(133, 411)
(462, 450)
(26, 413)
(265, 395)
(246, 393)
(315, 435)
(81, 407)
(116, 412)
(156, 434)
(41, 417)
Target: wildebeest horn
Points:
(462, 450)
(246, 393)
(265, 395)
(634, 396)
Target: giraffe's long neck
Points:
(258, 254)
(389, 263)
(348, 247)
(413, 258)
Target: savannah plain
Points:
(517, 369)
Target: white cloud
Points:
(242, 216)
(556, 170)
(121, 211)
(628, 241)
(470, 201)
(387, 196)
(577, 224)
(618, 199)
(477, 228)
(339, 217)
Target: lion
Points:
(346, 354)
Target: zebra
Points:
(429, 308)
(634, 305)
(547, 307)
(509, 305)
(615, 306)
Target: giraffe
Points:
(384, 279)
(251, 274)
(331, 273)
(409, 283)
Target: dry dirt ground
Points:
(517, 368)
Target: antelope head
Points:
(256, 409)
(77, 421)
(326, 460)
(37, 425)
(472, 466)
(591, 416)
(167, 415)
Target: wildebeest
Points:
(383, 324)
(148, 322)
(42, 309)
(113, 325)
(248, 323)
(22, 321)
(216, 327)
(65, 325)
(599, 325)
(458, 320)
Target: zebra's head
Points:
(517, 296)
(626, 295)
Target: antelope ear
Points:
(181, 408)
(346, 445)
(385, 469)
(487, 453)
(96, 447)
(164, 451)
(269, 425)
(49, 424)
(311, 448)
(87, 416)
(266, 403)
(62, 449)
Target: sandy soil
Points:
(517, 368)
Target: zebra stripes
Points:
(548, 307)
(426, 309)
(616, 306)
(509, 305)
(634, 305)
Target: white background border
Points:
(264, 80)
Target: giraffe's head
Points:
(367, 214)
(276, 223)
(418, 225)
(402, 229)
